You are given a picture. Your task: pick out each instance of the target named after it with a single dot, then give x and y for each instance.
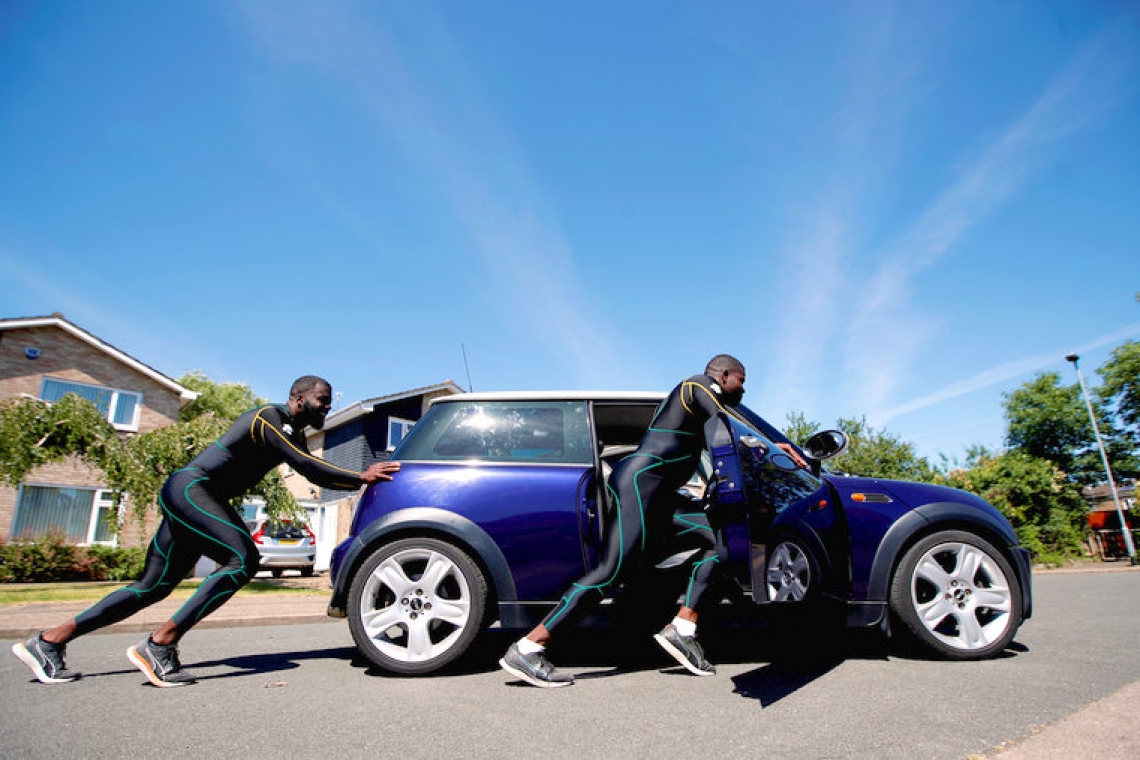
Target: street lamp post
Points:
(1129, 547)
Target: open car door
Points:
(759, 497)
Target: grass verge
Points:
(22, 593)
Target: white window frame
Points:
(116, 395)
(103, 498)
(404, 427)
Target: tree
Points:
(1120, 386)
(878, 454)
(35, 432)
(1119, 397)
(141, 464)
(799, 428)
(1043, 505)
(226, 400)
(870, 453)
(1120, 389)
(1048, 420)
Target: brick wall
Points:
(66, 357)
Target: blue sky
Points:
(891, 210)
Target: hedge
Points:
(52, 558)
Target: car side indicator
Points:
(874, 498)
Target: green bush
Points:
(52, 558)
(118, 564)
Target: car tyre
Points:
(803, 624)
(957, 596)
(791, 573)
(416, 605)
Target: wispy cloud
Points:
(532, 280)
(29, 267)
(887, 324)
(1001, 374)
(26, 285)
(524, 264)
(817, 260)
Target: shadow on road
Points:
(788, 658)
(791, 657)
(771, 683)
(270, 662)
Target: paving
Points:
(244, 609)
(1103, 729)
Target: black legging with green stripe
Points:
(643, 491)
(195, 524)
(197, 519)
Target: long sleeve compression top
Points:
(258, 441)
(676, 435)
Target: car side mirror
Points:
(825, 444)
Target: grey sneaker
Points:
(45, 660)
(159, 664)
(685, 650)
(533, 668)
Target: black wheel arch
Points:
(430, 522)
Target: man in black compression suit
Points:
(643, 488)
(198, 520)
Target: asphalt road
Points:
(299, 691)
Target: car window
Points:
(284, 530)
(501, 431)
(621, 423)
(770, 473)
(771, 432)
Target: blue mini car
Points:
(500, 505)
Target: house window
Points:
(397, 429)
(81, 515)
(121, 408)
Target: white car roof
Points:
(636, 396)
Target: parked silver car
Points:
(284, 545)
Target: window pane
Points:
(118, 407)
(397, 429)
(125, 409)
(54, 390)
(104, 519)
(42, 510)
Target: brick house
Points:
(48, 357)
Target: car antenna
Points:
(470, 389)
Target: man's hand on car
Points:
(790, 450)
(379, 471)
